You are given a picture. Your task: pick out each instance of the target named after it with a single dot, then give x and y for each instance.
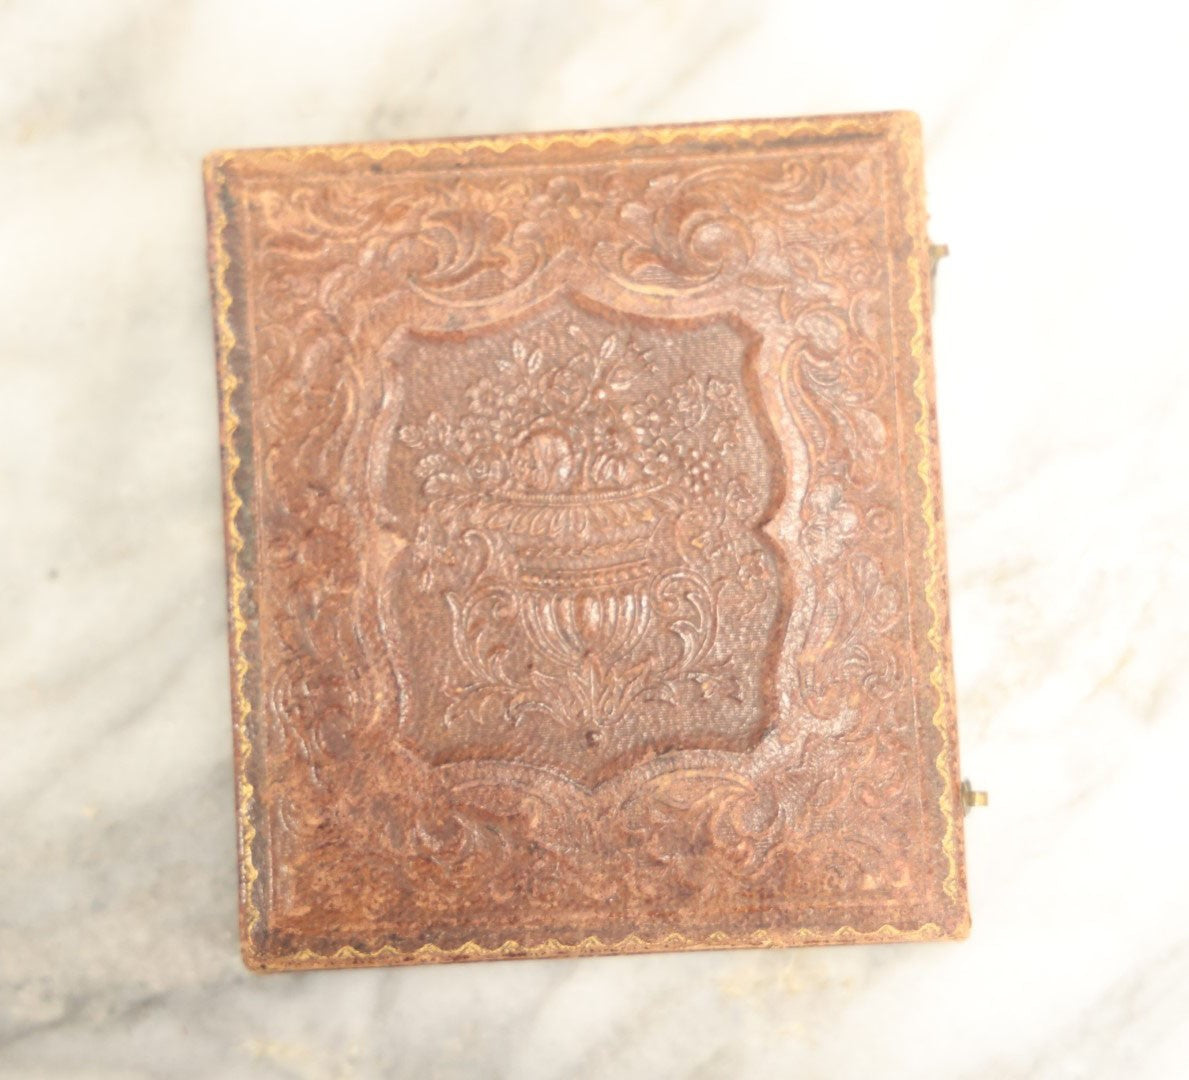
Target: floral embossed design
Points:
(804, 798)
(587, 516)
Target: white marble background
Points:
(1056, 176)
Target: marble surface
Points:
(1055, 177)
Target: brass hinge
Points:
(970, 797)
(937, 252)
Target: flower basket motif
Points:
(583, 514)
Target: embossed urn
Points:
(584, 562)
(583, 555)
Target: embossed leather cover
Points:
(586, 566)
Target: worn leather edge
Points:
(674, 941)
(900, 128)
(906, 134)
(232, 439)
(613, 140)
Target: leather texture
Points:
(586, 566)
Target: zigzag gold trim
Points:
(593, 945)
(858, 124)
(903, 127)
(228, 382)
(908, 134)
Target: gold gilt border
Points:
(903, 131)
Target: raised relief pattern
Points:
(583, 498)
(583, 594)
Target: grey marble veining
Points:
(1060, 338)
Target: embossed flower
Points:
(545, 461)
(564, 389)
(563, 191)
(472, 433)
(832, 522)
(711, 686)
(645, 418)
(739, 499)
(613, 447)
(484, 398)
(516, 395)
(322, 544)
(411, 435)
(722, 396)
(856, 262)
(697, 528)
(752, 567)
(560, 210)
(610, 434)
(507, 424)
(725, 436)
(488, 467)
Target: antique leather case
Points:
(587, 580)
